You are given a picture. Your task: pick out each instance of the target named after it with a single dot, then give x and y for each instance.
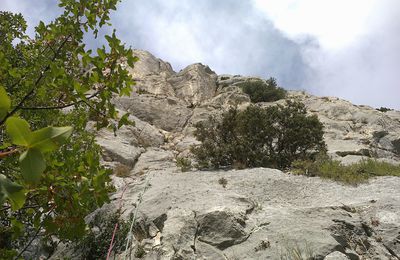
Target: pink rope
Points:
(116, 225)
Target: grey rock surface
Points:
(259, 213)
(117, 148)
(154, 159)
(166, 113)
(291, 211)
(336, 256)
(176, 101)
(144, 134)
(355, 130)
(148, 64)
(195, 83)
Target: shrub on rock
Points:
(263, 91)
(353, 174)
(259, 137)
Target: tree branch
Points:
(62, 106)
(8, 153)
(30, 93)
(34, 236)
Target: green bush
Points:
(185, 164)
(259, 137)
(95, 245)
(353, 174)
(263, 91)
(384, 109)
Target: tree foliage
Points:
(50, 86)
(259, 137)
(263, 91)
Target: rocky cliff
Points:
(244, 214)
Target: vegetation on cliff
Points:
(353, 174)
(259, 137)
(263, 91)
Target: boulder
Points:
(221, 229)
(154, 159)
(144, 133)
(117, 148)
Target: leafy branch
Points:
(30, 93)
(44, 167)
(62, 106)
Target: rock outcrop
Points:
(195, 83)
(253, 213)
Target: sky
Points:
(344, 48)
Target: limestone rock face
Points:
(264, 214)
(252, 213)
(221, 229)
(154, 159)
(150, 65)
(336, 256)
(195, 83)
(151, 74)
(144, 134)
(167, 113)
(117, 148)
(352, 130)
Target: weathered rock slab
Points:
(167, 113)
(289, 210)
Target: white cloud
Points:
(357, 55)
(33, 11)
(335, 23)
(345, 48)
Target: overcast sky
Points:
(345, 48)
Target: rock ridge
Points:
(258, 213)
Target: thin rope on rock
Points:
(129, 239)
(116, 224)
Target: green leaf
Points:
(125, 121)
(101, 53)
(17, 228)
(5, 145)
(50, 225)
(14, 73)
(12, 191)
(5, 103)
(32, 165)
(18, 130)
(49, 138)
(131, 59)
(81, 89)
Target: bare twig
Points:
(35, 236)
(62, 106)
(8, 153)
